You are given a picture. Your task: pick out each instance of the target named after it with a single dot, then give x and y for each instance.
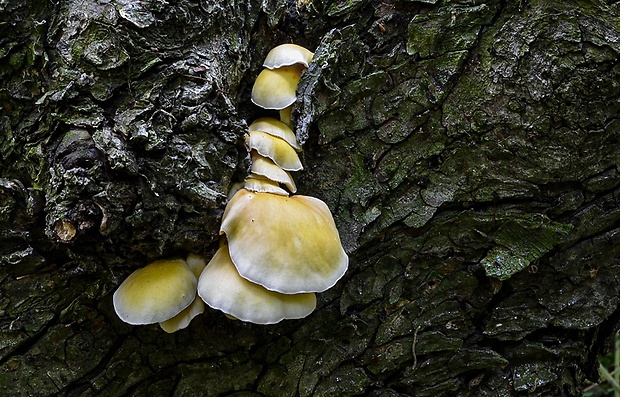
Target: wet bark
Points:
(468, 150)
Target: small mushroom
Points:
(260, 184)
(155, 293)
(274, 148)
(277, 128)
(286, 244)
(265, 167)
(275, 88)
(221, 287)
(183, 319)
(286, 55)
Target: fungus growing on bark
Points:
(265, 167)
(286, 55)
(275, 88)
(260, 184)
(163, 292)
(277, 128)
(307, 255)
(157, 293)
(278, 150)
(222, 288)
(279, 249)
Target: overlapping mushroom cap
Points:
(221, 287)
(260, 184)
(275, 88)
(286, 244)
(277, 128)
(155, 293)
(286, 55)
(183, 318)
(278, 150)
(267, 168)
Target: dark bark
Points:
(468, 150)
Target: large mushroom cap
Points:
(274, 148)
(221, 287)
(286, 55)
(277, 128)
(275, 89)
(155, 293)
(286, 244)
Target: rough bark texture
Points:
(468, 150)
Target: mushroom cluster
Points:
(279, 248)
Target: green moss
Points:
(342, 7)
(520, 242)
(450, 28)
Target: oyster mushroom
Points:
(277, 128)
(221, 287)
(275, 149)
(286, 55)
(265, 167)
(286, 244)
(156, 292)
(275, 88)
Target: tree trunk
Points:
(468, 151)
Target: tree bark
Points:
(468, 151)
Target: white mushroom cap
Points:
(276, 89)
(270, 170)
(286, 244)
(260, 184)
(183, 319)
(155, 293)
(274, 148)
(196, 263)
(221, 287)
(276, 128)
(286, 55)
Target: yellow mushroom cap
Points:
(260, 184)
(221, 287)
(274, 148)
(276, 128)
(275, 89)
(183, 319)
(286, 55)
(155, 293)
(265, 167)
(286, 244)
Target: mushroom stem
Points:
(285, 116)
